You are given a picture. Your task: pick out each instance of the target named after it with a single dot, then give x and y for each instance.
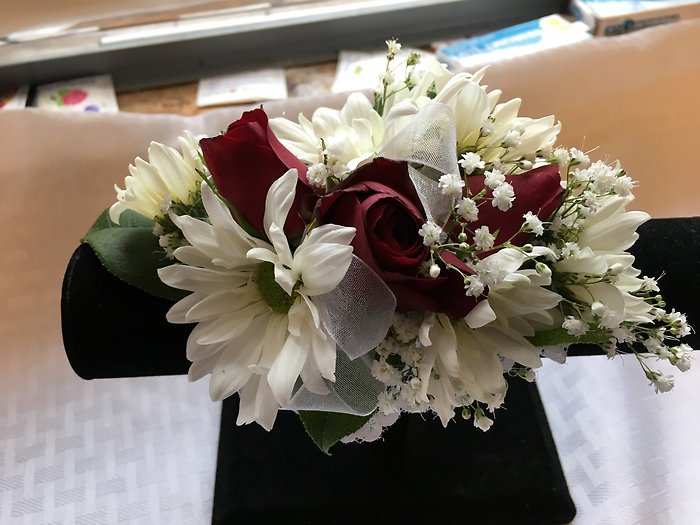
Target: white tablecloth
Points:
(143, 450)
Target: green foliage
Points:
(327, 428)
(131, 252)
(276, 298)
(559, 336)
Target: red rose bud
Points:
(244, 163)
(380, 201)
(538, 191)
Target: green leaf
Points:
(131, 252)
(559, 336)
(327, 428)
(128, 219)
(102, 222)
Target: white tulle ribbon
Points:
(357, 314)
(354, 391)
(430, 140)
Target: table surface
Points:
(143, 451)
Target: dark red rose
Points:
(244, 163)
(538, 191)
(380, 201)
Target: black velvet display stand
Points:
(418, 471)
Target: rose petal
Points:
(246, 161)
(538, 191)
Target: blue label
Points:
(525, 34)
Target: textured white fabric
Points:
(630, 456)
(143, 450)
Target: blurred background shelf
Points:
(164, 46)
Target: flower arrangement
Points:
(404, 254)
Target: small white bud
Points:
(616, 269)
(598, 309)
(542, 269)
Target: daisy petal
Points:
(279, 199)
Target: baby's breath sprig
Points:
(590, 186)
(391, 85)
(328, 172)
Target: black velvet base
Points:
(111, 329)
(419, 473)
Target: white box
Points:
(615, 17)
(239, 88)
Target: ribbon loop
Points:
(430, 140)
(354, 392)
(358, 312)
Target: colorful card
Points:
(95, 94)
(14, 98)
(239, 88)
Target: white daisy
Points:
(356, 133)
(465, 356)
(258, 330)
(604, 237)
(351, 135)
(167, 176)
